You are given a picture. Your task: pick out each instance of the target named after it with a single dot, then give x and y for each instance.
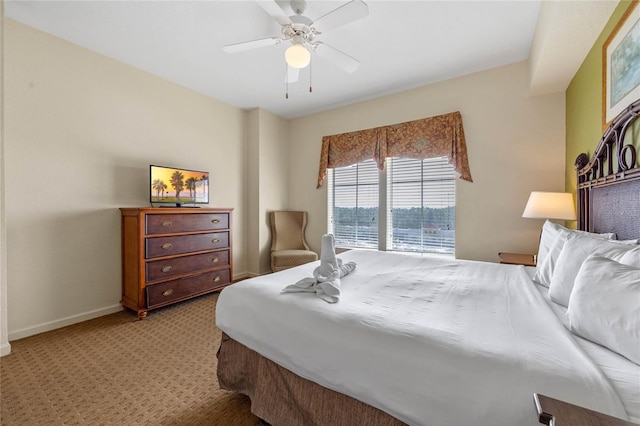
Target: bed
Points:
(422, 340)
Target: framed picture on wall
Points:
(621, 65)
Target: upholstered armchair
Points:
(288, 245)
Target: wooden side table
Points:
(554, 412)
(518, 258)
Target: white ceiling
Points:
(400, 45)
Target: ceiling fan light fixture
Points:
(297, 56)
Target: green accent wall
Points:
(584, 101)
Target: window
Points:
(421, 205)
(353, 205)
(408, 207)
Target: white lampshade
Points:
(550, 205)
(297, 56)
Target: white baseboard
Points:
(63, 322)
(5, 349)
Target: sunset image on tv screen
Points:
(169, 185)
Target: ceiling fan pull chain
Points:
(310, 89)
(286, 81)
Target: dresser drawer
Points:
(165, 293)
(180, 244)
(167, 268)
(172, 223)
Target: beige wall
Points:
(515, 144)
(80, 133)
(252, 192)
(5, 347)
(267, 157)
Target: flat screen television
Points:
(170, 186)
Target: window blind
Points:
(421, 205)
(353, 205)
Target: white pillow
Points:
(605, 306)
(550, 249)
(544, 268)
(575, 251)
(550, 231)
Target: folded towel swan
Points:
(325, 282)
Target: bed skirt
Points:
(281, 397)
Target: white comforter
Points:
(430, 341)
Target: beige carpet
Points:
(115, 370)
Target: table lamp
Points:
(550, 205)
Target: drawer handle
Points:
(216, 279)
(167, 292)
(167, 246)
(215, 241)
(166, 268)
(166, 223)
(215, 260)
(215, 221)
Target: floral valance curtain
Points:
(438, 136)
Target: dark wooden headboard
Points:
(608, 192)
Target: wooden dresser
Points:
(173, 254)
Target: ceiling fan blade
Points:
(349, 12)
(340, 59)
(253, 44)
(292, 74)
(272, 8)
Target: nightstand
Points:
(554, 412)
(518, 259)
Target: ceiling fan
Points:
(302, 33)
